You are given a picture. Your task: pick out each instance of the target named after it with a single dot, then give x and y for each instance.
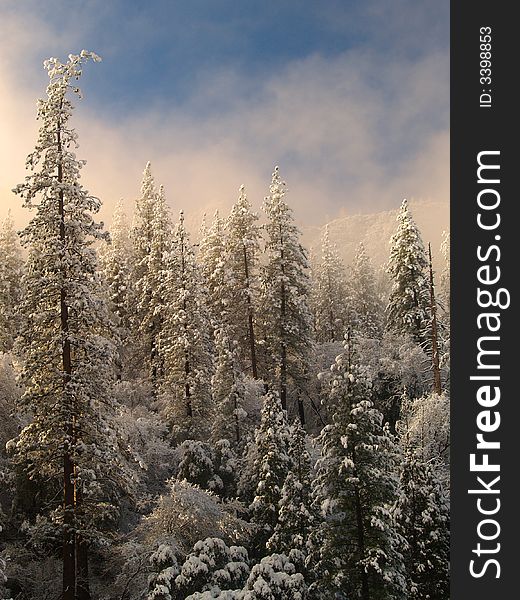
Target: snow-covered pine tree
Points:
(271, 466)
(142, 230)
(356, 549)
(150, 235)
(211, 564)
(228, 389)
(285, 315)
(274, 578)
(407, 307)
(243, 235)
(11, 268)
(64, 342)
(155, 313)
(366, 306)
(213, 270)
(184, 344)
(423, 520)
(296, 516)
(115, 262)
(330, 298)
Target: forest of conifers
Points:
(212, 414)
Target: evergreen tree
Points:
(142, 229)
(243, 236)
(270, 468)
(115, 260)
(165, 568)
(196, 463)
(423, 520)
(330, 294)
(150, 234)
(407, 307)
(185, 343)
(155, 314)
(64, 342)
(274, 578)
(11, 268)
(213, 269)
(286, 318)
(228, 389)
(366, 306)
(211, 564)
(296, 516)
(356, 549)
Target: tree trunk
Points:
(237, 424)
(69, 550)
(82, 580)
(83, 588)
(283, 377)
(437, 385)
(69, 542)
(301, 410)
(187, 391)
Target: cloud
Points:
(355, 132)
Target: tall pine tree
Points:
(243, 235)
(407, 308)
(228, 389)
(356, 548)
(296, 516)
(185, 342)
(271, 466)
(423, 520)
(285, 314)
(65, 339)
(330, 294)
(211, 257)
(366, 306)
(115, 261)
(150, 234)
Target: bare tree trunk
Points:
(69, 550)
(82, 579)
(437, 385)
(187, 391)
(82, 583)
(235, 399)
(283, 376)
(301, 410)
(332, 329)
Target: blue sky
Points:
(350, 98)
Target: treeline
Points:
(214, 417)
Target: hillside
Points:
(375, 231)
